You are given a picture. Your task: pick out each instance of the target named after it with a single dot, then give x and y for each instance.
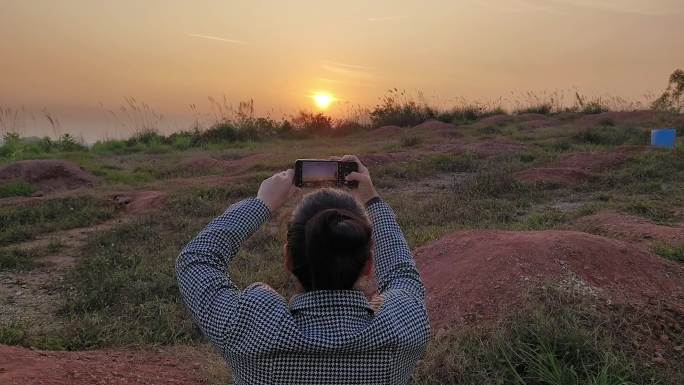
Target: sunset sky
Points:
(78, 59)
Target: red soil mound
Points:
(480, 274)
(435, 125)
(48, 175)
(534, 121)
(24, 366)
(385, 131)
(201, 163)
(596, 161)
(631, 228)
(495, 147)
(562, 176)
(138, 201)
(644, 119)
(236, 166)
(492, 121)
(574, 169)
(390, 157)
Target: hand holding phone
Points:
(324, 173)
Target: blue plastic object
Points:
(663, 137)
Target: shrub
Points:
(310, 123)
(671, 99)
(542, 108)
(468, 113)
(398, 109)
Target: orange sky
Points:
(72, 57)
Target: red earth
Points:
(481, 274)
(435, 125)
(385, 131)
(138, 201)
(495, 147)
(48, 175)
(561, 176)
(574, 169)
(21, 366)
(644, 119)
(631, 228)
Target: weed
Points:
(21, 223)
(673, 252)
(411, 141)
(17, 259)
(397, 108)
(12, 333)
(17, 189)
(561, 338)
(609, 135)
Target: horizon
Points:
(85, 59)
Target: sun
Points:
(322, 100)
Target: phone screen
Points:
(319, 173)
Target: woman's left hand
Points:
(275, 190)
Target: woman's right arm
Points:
(394, 264)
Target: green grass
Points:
(609, 135)
(392, 174)
(12, 332)
(560, 339)
(673, 252)
(23, 222)
(124, 288)
(17, 189)
(18, 259)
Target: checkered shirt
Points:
(322, 336)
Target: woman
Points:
(329, 333)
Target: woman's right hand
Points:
(365, 191)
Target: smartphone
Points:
(323, 173)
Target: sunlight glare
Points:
(322, 100)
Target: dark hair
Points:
(329, 241)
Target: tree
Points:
(671, 99)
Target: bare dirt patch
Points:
(630, 228)
(561, 176)
(435, 126)
(482, 274)
(387, 158)
(231, 166)
(574, 169)
(495, 147)
(597, 161)
(24, 366)
(48, 175)
(534, 121)
(386, 131)
(492, 121)
(138, 201)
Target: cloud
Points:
(328, 80)
(347, 69)
(632, 7)
(386, 18)
(209, 37)
(564, 7)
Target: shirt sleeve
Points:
(202, 268)
(395, 268)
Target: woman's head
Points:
(328, 241)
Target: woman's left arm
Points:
(202, 266)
